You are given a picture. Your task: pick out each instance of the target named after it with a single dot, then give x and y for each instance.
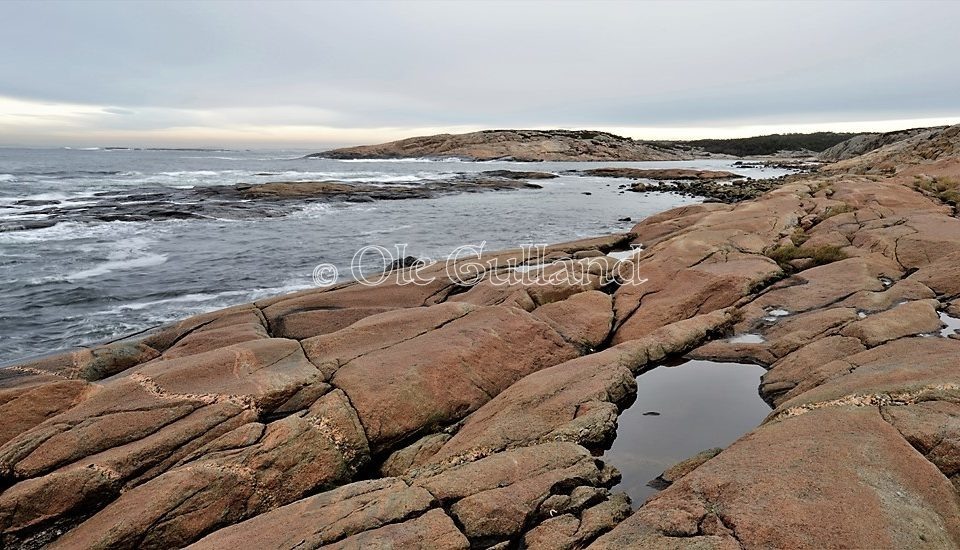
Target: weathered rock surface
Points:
(453, 416)
(864, 143)
(520, 145)
(352, 514)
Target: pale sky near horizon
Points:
(324, 74)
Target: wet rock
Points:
(660, 174)
(519, 175)
(262, 200)
(680, 469)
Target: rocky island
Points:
(517, 145)
(452, 416)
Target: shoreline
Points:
(429, 410)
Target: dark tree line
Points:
(768, 145)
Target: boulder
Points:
(583, 319)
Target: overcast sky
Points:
(328, 73)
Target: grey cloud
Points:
(373, 64)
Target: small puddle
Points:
(699, 405)
(746, 339)
(625, 254)
(953, 325)
(775, 315)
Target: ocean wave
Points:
(243, 158)
(128, 254)
(8, 177)
(385, 231)
(199, 302)
(194, 173)
(186, 298)
(410, 159)
(74, 231)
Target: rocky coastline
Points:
(453, 416)
(517, 145)
(261, 200)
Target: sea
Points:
(70, 280)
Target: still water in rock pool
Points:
(698, 405)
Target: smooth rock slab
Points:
(293, 457)
(330, 517)
(840, 477)
(907, 319)
(433, 530)
(437, 378)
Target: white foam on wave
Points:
(128, 254)
(179, 173)
(244, 158)
(354, 177)
(384, 231)
(168, 309)
(412, 159)
(74, 231)
(8, 177)
(186, 298)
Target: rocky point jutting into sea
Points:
(452, 416)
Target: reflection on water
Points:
(952, 325)
(701, 404)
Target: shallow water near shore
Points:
(80, 283)
(681, 410)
